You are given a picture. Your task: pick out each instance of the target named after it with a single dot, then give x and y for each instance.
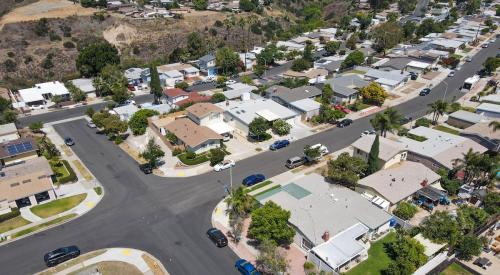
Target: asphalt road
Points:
(168, 217)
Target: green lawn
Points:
(43, 225)
(378, 259)
(447, 130)
(260, 185)
(455, 269)
(197, 160)
(12, 224)
(60, 170)
(58, 206)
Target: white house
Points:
(209, 115)
(173, 77)
(390, 152)
(417, 66)
(43, 92)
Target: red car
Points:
(341, 108)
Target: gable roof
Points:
(290, 95)
(191, 133)
(8, 128)
(387, 148)
(207, 58)
(16, 147)
(175, 92)
(193, 97)
(201, 110)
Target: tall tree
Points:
(468, 247)
(373, 161)
(227, 60)
(326, 94)
(441, 227)
(346, 170)
(258, 127)
(152, 153)
(155, 84)
(354, 58)
(239, 202)
(271, 260)
(388, 121)
(270, 222)
(438, 108)
(386, 36)
(94, 57)
(374, 94)
(196, 46)
(407, 254)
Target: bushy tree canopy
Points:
(94, 57)
(270, 222)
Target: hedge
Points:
(197, 160)
(69, 178)
(12, 214)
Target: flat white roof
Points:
(306, 105)
(268, 115)
(48, 88)
(173, 74)
(31, 95)
(447, 43)
(8, 128)
(246, 110)
(488, 107)
(418, 64)
(220, 127)
(84, 84)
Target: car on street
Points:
(413, 76)
(209, 79)
(223, 165)
(227, 137)
(344, 123)
(368, 133)
(146, 168)
(91, 125)
(342, 108)
(230, 82)
(69, 141)
(425, 92)
(485, 45)
(216, 236)
(468, 59)
(279, 144)
(326, 54)
(253, 179)
(60, 255)
(246, 268)
(295, 162)
(451, 73)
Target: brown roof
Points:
(190, 133)
(201, 110)
(193, 97)
(4, 152)
(25, 179)
(174, 92)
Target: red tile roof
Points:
(174, 92)
(193, 97)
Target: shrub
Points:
(69, 178)
(54, 37)
(216, 156)
(405, 210)
(12, 214)
(190, 155)
(118, 139)
(177, 151)
(423, 122)
(98, 190)
(69, 45)
(308, 266)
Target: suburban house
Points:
(173, 77)
(125, 112)
(332, 66)
(390, 152)
(160, 108)
(239, 114)
(14, 151)
(389, 80)
(492, 98)
(417, 67)
(8, 132)
(209, 115)
(489, 110)
(193, 97)
(190, 136)
(26, 183)
(285, 96)
(450, 45)
(290, 46)
(86, 85)
(237, 90)
(135, 76)
(207, 65)
(306, 107)
(188, 71)
(175, 95)
(463, 119)
(43, 92)
(439, 149)
(314, 75)
(400, 181)
(333, 224)
(483, 134)
(346, 88)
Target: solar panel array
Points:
(19, 148)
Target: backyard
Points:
(58, 206)
(63, 171)
(377, 261)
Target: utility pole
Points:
(231, 180)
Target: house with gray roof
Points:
(346, 87)
(463, 119)
(395, 63)
(8, 132)
(84, 84)
(306, 107)
(285, 96)
(389, 80)
(391, 152)
(330, 220)
(207, 65)
(489, 109)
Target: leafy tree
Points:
(471, 218)
(406, 6)
(36, 127)
(227, 60)
(373, 161)
(352, 41)
(90, 112)
(76, 94)
(312, 153)
(246, 80)
(405, 210)
(48, 149)
(216, 156)
(5, 104)
(113, 125)
(428, 26)
(448, 182)
(270, 222)
(268, 55)
(10, 65)
(258, 127)
(407, 254)
(438, 108)
(155, 84)
(301, 64)
(239, 202)
(477, 167)
(271, 260)
(364, 19)
(388, 121)
(221, 81)
(423, 122)
(326, 94)
(9, 116)
(491, 203)
(120, 93)
(378, 5)
(308, 54)
(491, 64)
(373, 94)
(409, 29)
(441, 227)
(354, 58)
(57, 99)
(200, 4)
(248, 5)
(472, 6)
(152, 153)
(181, 85)
(332, 47)
(139, 121)
(196, 46)
(281, 127)
(386, 36)
(108, 76)
(346, 170)
(218, 97)
(467, 247)
(94, 57)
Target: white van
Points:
(322, 149)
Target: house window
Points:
(26, 181)
(307, 245)
(14, 184)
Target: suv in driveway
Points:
(217, 237)
(61, 255)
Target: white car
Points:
(451, 74)
(468, 59)
(230, 82)
(224, 165)
(368, 132)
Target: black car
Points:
(217, 237)
(425, 92)
(146, 168)
(344, 123)
(405, 120)
(61, 255)
(413, 76)
(69, 141)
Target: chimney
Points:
(326, 236)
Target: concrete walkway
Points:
(127, 255)
(28, 215)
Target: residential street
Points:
(166, 217)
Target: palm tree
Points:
(239, 202)
(469, 164)
(438, 108)
(494, 125)
(388, 121)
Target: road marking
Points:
(181, 174)
(90, 204)
(126, 252)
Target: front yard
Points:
(63, 171)
(378, 260)
(12, 224)
(198, 159)
(57, 206)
